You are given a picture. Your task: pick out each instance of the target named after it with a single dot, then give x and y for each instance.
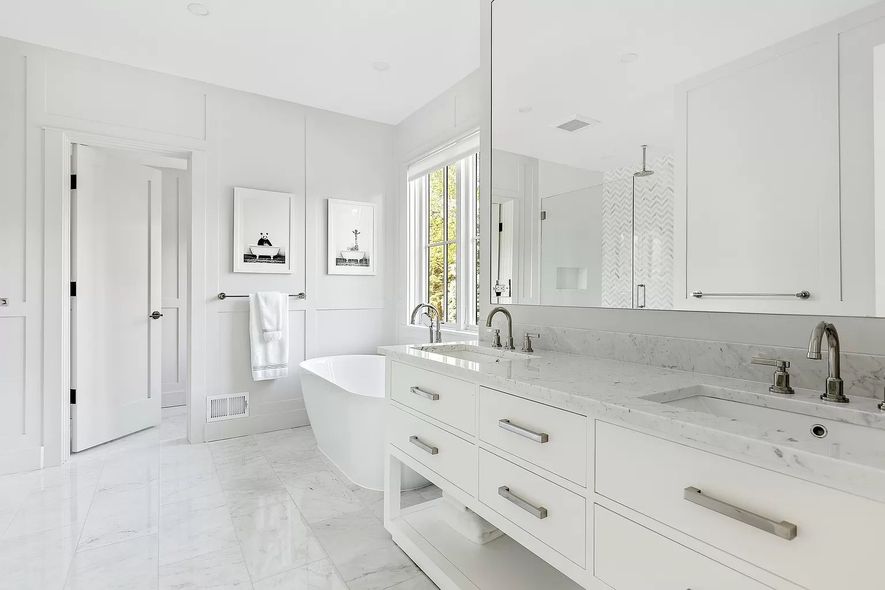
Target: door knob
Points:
(155, 315)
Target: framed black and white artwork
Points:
(263, 231)
(351, 234)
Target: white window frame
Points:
(467, 238)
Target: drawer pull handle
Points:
(784, 530)
(538, 512)
(423, 445)
(425, 394)
(538, 437)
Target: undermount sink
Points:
(803, 422)
(473, 353)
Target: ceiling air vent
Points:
(227, 406)
(576, 123)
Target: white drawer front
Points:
(631, 557)
(443, 452)
(838, 535)
(548, 437)
(448, 400)
(545, 510)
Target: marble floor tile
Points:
(199, 486)
(419, 582)
(319, 575)
(248, 502)
(321, 495)
(377, 568)
(121, 515)
(292, 438)
(39, 560)
(348, 536)
(363, 551)
(218, 570)
(195, 527)
(275, 539)
(152, 511)
(44, 512)
(128, 565)
(295, 462)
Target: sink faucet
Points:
(834, 390)
(508, 345)
(433, 313)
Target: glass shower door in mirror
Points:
(757, 191)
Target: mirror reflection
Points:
(670, 156)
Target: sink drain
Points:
(819, 431)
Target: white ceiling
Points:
(559, 58)
(313, 52)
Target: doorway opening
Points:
(128, 265)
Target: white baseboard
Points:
(171, 399)
(19, 461)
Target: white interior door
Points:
(116, 264)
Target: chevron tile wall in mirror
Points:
(669, 156)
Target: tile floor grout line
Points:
(310, 527)
(83, 524)
(236, 535)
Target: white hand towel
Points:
(269, 335)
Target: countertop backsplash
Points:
(863, 374)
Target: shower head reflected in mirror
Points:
(645, 171)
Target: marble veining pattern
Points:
(151, 511)
(864, 374)
(615, 391)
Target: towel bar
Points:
(799, 295)
(224, 295)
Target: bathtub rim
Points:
(303, 365)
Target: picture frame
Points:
(264, 231)
(351, 237)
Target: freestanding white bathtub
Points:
(344, 397)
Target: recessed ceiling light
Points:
(525, 109)
(198, 9)
(380, 66)
(628, 58)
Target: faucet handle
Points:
(527, 342)
(781, 364)
(781, 378)
(496, 337)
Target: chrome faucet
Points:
(432, 312)
(508, 344)
(834, 389)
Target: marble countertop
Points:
(615, 391)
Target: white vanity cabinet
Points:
(591, 504)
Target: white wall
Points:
(249, 141)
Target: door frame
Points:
(56, 281)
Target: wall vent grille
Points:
(227, 406)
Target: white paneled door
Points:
(116, 264)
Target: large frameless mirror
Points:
(689, 156)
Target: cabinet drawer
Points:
(551, 438)
(443, 452)
(545, 510)
(446, 399)
(631, 557)
(837, 536)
